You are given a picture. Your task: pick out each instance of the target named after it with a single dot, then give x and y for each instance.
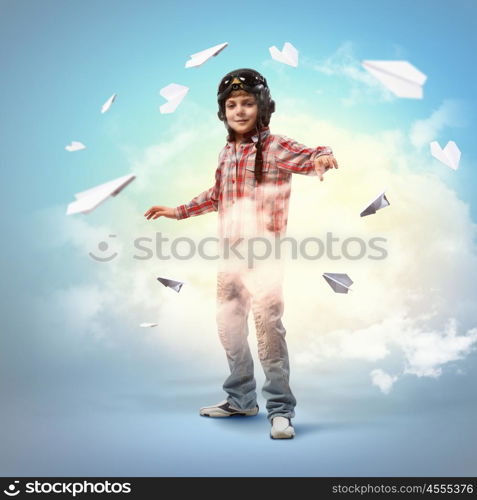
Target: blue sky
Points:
(72, 358)
(61, 60)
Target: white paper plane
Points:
(75, 146)
(88, 200)
(148, 325)
(379, 202)
(400, 77)
(288, 55)
(174, 93)
(450, 155)
(339, 282)
(200, 58)
(175, 285)
(108, 103)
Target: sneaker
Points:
(225, 409)
(282, 428)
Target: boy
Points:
(251, 194)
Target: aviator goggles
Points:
(245, 80)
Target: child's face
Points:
(241, 113)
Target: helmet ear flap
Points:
(266, 105)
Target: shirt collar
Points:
(251, 136)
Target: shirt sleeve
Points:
(205, 202)
(296, 158)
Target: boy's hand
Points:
(324, 163)
(155, 212)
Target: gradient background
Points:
(385, 376)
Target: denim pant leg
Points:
(233, 306)
(267, 306)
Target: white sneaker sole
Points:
(288, 433)
(282, 428)
(220, 413)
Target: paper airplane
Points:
(200, 57)
(379, 202)
(148, 325)
(75, 146)
(88, 200)
(175, 285)
(288, 55)
(108, 103)
(174, 93)
(400, 77)
(450, 155)
(339, 282)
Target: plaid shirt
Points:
(245, 207)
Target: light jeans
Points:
(237, 291)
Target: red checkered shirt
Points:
(245, 207)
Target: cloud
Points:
(451, 113)
(409, 303)
(424, 351)
(401, 304)
(79, 233)
(383, 380)
(427, 351)
(345, 65)
(75, 310)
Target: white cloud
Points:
(405, 303)
(75, 310)
(427, 351)
(383, 380)
(79, 232)
(451, 113)
(344, 64)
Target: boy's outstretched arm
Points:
(160, 211)
(299, 159)
(203, 203)
(323, 163)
